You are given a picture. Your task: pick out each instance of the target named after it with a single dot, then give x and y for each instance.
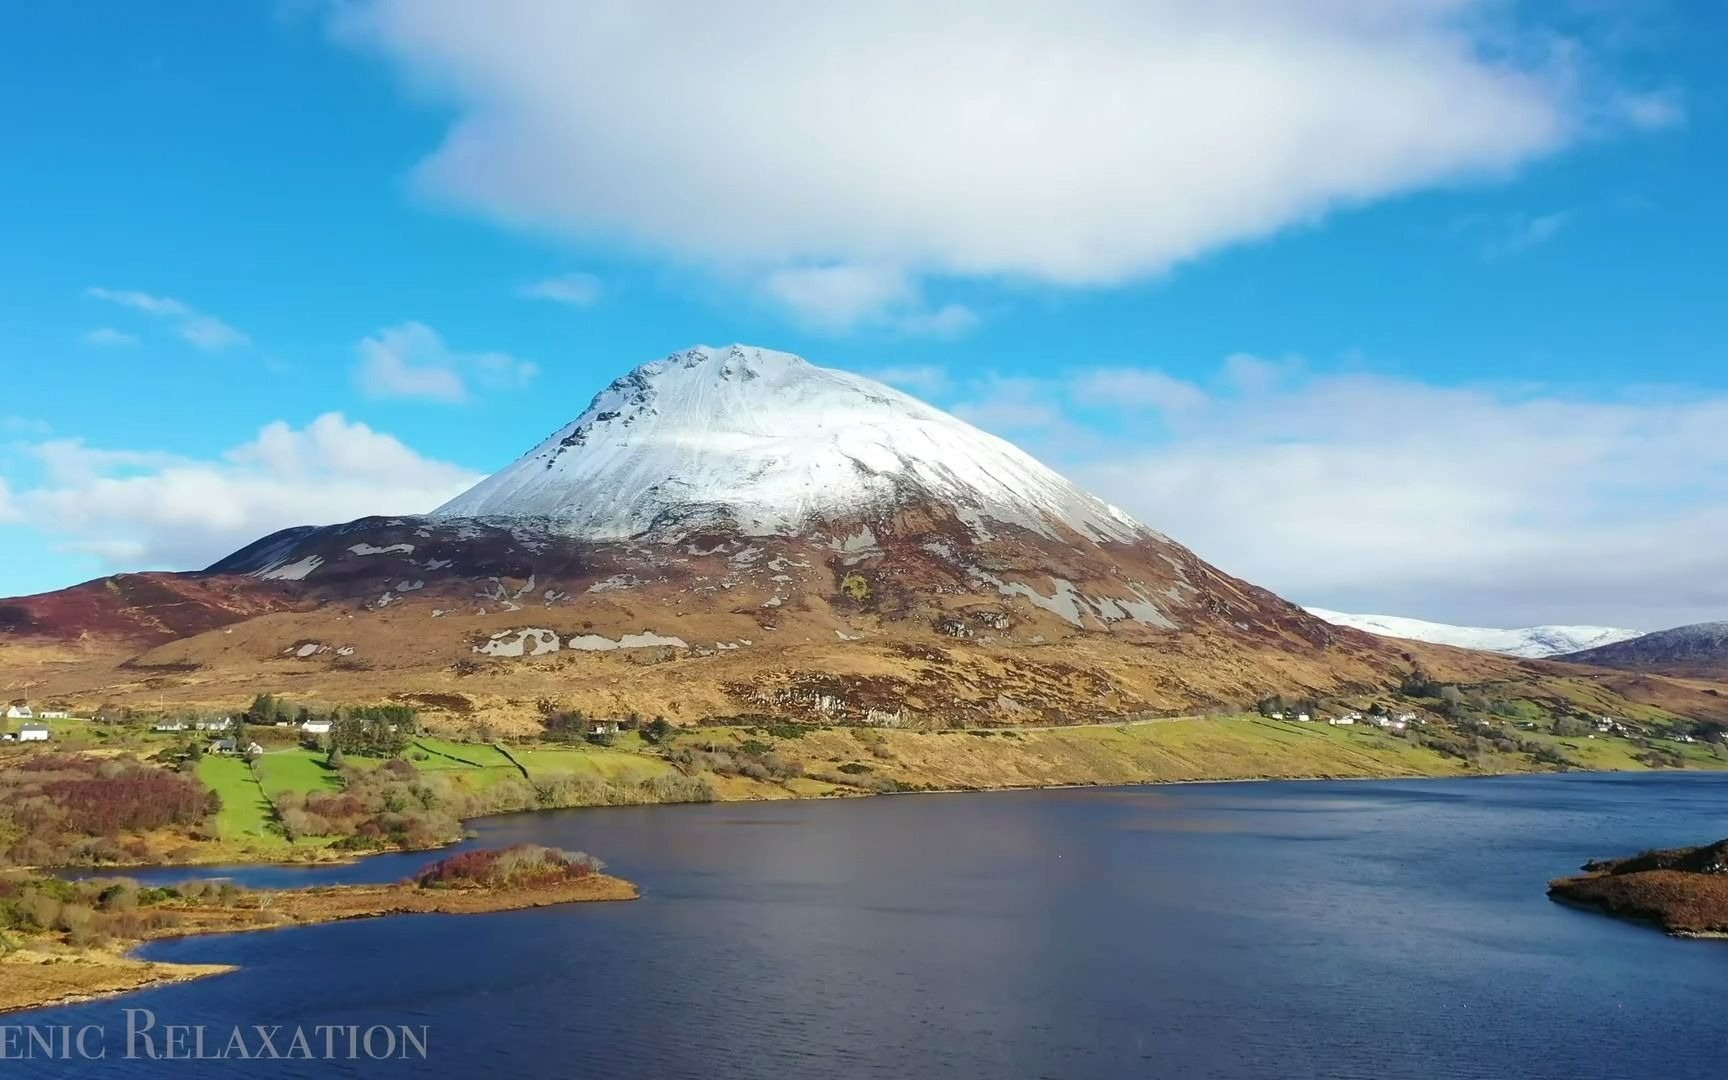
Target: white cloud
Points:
(107, 335)
(412, 361)
(1073, 144)
(577, 290)
(1483, 505)
(1137, 388)
(1013, 405)
(947, 321)
(149, 509)
(204, 331)
(1250, 374)
(839, 297)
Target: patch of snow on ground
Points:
(645, 640)
(1147, 612)
(1066, 602)
(410, 586)
(296, 571)
(308, 649)
(393, 549)
(527, 642)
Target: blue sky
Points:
(1418, 313)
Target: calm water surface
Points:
(1367, 929)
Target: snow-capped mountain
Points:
(1531, 642)
(731, 532)
(1699, 650)
(763, 443)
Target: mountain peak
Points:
(747, 439)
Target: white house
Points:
(316, 727)
(214, 725)
(1342, 721)
(53, 714)
(19, 712)
(170, 725)
(1303, 718)
(33, 733)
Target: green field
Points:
(601, 764)
(444, 754)
(301, 771)
(246, 813)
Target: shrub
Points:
(519, 866)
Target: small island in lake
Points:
(67, 940)
(1682, 890)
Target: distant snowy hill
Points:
(1532, 642)
(1699, 651)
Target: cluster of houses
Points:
(225, 723)
(1400, 722)
(34, 728)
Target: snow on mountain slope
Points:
(766, 443)
(1699, 650)
(1533, 642)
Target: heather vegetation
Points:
(66, 808)
(519, 866)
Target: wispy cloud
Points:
(1519, 233)
(1136, 388)
(204, 331)
(412, 361)
(577, 290)
(841, 297)
(107, 336)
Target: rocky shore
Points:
(1682, 890)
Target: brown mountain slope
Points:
(921, 620)
(1699, 651)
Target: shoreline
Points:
(1680, 891)
(88, 870)
(42, 978)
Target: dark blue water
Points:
(1367, 929)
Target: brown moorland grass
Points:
(1682, 890)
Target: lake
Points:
(1353, 929)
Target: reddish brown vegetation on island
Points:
(1682, 890)
(519, 866)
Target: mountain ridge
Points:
(1530, 643)
(1697, 650)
